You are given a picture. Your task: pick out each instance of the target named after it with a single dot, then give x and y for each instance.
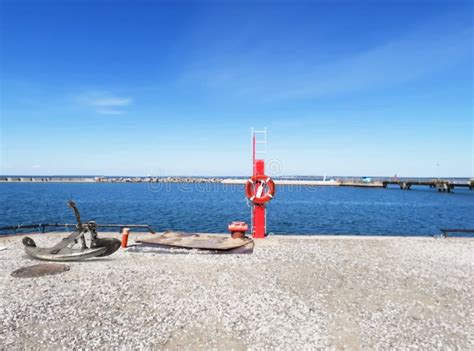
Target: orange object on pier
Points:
(125, 233)
(237, 229)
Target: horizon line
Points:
(223, 176)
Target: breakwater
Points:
(57, 179)
(222, 180)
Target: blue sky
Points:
(160, 88)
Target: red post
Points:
(258, 229)
(125, 233)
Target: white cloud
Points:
(105, 103)
(107, 111)
(433, 47)
(36, 166)
(112, 101)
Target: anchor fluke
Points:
(110, 244)
(27, 241)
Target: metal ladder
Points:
(257, 137)
(259, 144)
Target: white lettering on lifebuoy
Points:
(259, 190)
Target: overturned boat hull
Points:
(204, 242)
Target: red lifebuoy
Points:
(255, 186)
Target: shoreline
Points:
(276, 236)
(358, 182)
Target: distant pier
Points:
(442, 185)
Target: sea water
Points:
(209, 207)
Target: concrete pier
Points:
(293, 292)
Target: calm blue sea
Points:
(209, 207)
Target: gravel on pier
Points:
(291, 293)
